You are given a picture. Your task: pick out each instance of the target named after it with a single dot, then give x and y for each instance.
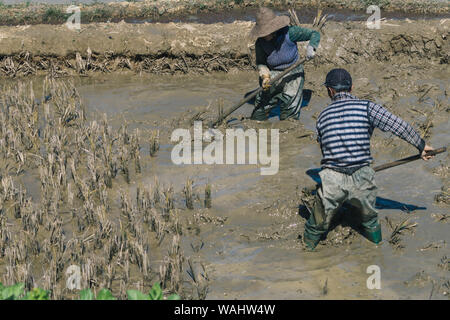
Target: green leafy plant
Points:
(17, 292)
(137, 295)
(37, 294)
(87, 294)
(103, 294)
(155, 293)
(11, 292)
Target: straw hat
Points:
(268, 22)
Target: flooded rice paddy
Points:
(87, 177)
(255, 253)
(247, 243)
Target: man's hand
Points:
(265, 82)
(310, 52)
(424, 153)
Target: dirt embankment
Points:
(163, 9)
(197, 48)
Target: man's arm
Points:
(297, 34)
(381, 118)
(261, 63)
(261, 60)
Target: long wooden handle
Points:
(251, 96)
(408, 159)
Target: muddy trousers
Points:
(287, 92)
(358, 189)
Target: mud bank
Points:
(198, 48)
(162, 10)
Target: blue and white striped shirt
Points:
(344, 129)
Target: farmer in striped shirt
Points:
(344, 129)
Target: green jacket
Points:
(296, 34)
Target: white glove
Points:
(265, 82)
(263, 70)
(310, 52)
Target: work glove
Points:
(265, 82)
(310, 52)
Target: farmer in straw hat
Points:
(276, 50)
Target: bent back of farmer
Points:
(344, 129)
(276, 50)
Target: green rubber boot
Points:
(311, 244)
(372, 234)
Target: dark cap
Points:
(338, 79)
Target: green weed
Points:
(155, 293)
(381, 3)
(54, 14)
(17, 292)
(103, 294)
(13, 292)
(37, 294)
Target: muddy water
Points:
(255, 254)
(153, 102)
(306, 14)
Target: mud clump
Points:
(420, 279)
(341, 235)
(343, 230)
(443, 217)
(444, 264)
(443, 196)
